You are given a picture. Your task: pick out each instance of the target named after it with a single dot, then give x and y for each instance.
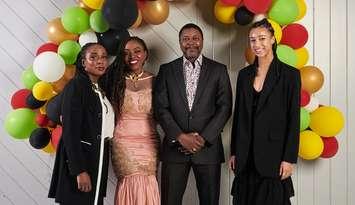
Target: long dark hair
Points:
(114, 82)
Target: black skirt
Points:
(249, 188)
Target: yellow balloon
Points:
(302, 8)
(43, 109)
(277, 30)
(49, 148)
(302, 57)
(224, 13)
(94, 4)
(85, 7)
(42, 91)
(327, 121)
(311, 145)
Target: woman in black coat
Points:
(265, 132)
(80, 170)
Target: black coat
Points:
(79, 146)
(276, 119)
(210, 111)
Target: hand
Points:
(232, 162)
(190, 142)
(200, 140)
(84, 182)
(286, 169)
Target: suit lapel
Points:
(180, 80)
(270, 81)
(248, 91)
(202, 81)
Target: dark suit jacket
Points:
(79, 146)
(276, 120)
(210, 111)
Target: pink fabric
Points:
(135, 150)
(137, 190)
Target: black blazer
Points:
(276, 119)
(210, 111)
(79, 146)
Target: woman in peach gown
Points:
(135, 143)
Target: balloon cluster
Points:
(36, 108)
(319, 124)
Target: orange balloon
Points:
(138, 21)
(155, 12)
(311, 78)
(85, 7)
(249, 55)
(69, 73)
(56, 32)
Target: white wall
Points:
(25, 172)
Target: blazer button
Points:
(98, 137)
(99, 115)
(190, 117)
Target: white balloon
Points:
(87, 37)
(312, 105)
(49, 66)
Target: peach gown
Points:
(135, 147)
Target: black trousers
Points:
(174, 180)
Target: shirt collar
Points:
(198, 60)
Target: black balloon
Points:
(120, 14)
(243, 16)
(40, 138)
(111, 39)
(33, 103)
(54, 108)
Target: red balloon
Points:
(257, 6)
(18, 99)
(305, 98)
(231, 2)
(56, 134)
(330, 147)
(47, 47)
(140, 3)
(41, 120)
(294, 35)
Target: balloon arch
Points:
(107, 22)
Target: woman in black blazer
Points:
(265, 132)
(80, 170)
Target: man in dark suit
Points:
(192, 103)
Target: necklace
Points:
(134, 77)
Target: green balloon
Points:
(28, 78)
(283, 11)
(69, 51)
(286, 54)
(75, 20)
(305, 119)
(20, 123)
(97, 22)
